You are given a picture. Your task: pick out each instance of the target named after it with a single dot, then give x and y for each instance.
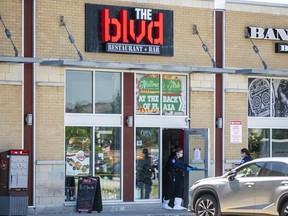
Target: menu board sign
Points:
(86, 194)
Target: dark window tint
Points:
(276, 169)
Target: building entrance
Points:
(194, 143)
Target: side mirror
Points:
(232, 174)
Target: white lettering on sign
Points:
(284, 48)
(267, 34)
(143, 14)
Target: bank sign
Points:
(270, 34)
(115, 29)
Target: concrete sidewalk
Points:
(141, 209)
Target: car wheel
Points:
(207, 206)
(284, 209)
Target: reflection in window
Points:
(79, 92)
(280, 142)
(77, 157)
(250, 170)
(259, 142)
(108, 161)
(147, 163)
(108, 93)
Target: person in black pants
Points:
(174, 188)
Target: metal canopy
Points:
(12, 59)
(134, 66)
(143, 67)
(260, 72)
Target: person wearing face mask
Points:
(174, 188)
(245, 155)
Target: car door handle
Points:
(284, 183)
(249, 184)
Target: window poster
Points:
(259, 97)
(148, 93)
(280, 97)
(173, 94)
(236, 131)
(77, 151)
(268, 97)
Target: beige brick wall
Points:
(49, 122)
(11, 12)
(202, 113)
(239, 52)
(11, 73)
(10, 117)
(49, 182)
(235, 109)
(52, 40)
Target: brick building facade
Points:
(52, 57)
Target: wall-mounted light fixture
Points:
(29, 119)
(219, 122)
(129, 121)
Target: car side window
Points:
(276, 169)
(250, 170)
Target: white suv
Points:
(258, 187)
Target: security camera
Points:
(187, 119)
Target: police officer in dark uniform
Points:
(174, 187)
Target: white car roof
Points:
(276, 159)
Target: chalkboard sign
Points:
(86, 194)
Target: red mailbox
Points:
(14, 182)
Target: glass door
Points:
(196, 154)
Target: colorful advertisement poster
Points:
(78, 156)
(173, 94)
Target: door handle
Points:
(249, 184)
(284, 183)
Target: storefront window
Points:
(80, 97)
(79, 92)
(280, 89)
(280, 142)
(108, 161)
(77, 157)
(169, 98)
(259, 97)
(259, 142)
(268, 97)
(108, 93)
(147, 164)
(148, 94)
(173, 95)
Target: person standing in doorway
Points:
(245, 155)
(174, 187)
